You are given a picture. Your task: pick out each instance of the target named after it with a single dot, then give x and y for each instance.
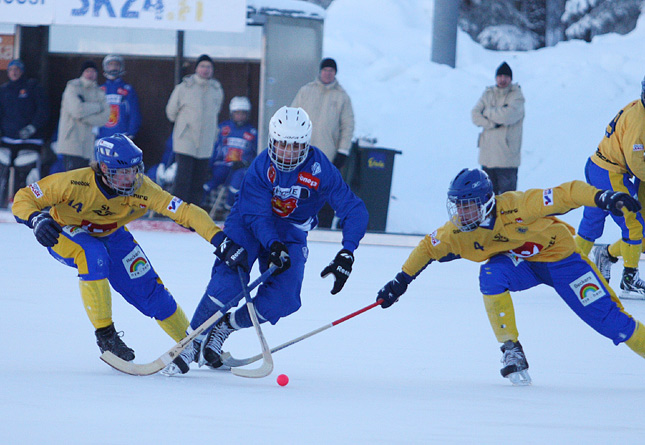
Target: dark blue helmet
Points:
(470, 199)
(120, 162)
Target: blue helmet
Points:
(470, 199)
(120, 163)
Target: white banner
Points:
(199, 15)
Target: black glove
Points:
(46, 229)
(230, 252)
(391, 292)
(614, 202)
(339, 160)
(279, 256)
(340, 267)
(236, 165)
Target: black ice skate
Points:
(109, 340)
(181, 365)
(603, 260)
(631, 284)
(213, 344)
(515, 364)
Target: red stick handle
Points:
(358, 312)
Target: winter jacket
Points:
(83, 106)
(330, 110)
(193, 106)
(23, 103)
(500, 112)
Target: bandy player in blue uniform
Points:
(282, 192)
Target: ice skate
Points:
(181, 365)
(109, 340)
(632, 286)
(213, 344)
(515, 364)
(603, 260)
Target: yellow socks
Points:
(175, 325)
(637, 341)
(97, 301)
(501, 315)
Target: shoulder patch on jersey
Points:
(316, 168)
(308, 180)
(638, 147)
(433, 239)
(271, 174)
(174, 204)
(35, 189)
(587, 288)
(547, 197)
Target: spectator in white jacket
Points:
(83, 107)
(194, 106)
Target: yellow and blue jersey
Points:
(622, 148)
(522, 225)
(77, 199)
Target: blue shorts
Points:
(119, 259)
(278, 297)
(593, 219)
(576, 281)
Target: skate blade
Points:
(627, 295)
(521, 378)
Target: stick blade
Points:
(262, 371)
(133, 368)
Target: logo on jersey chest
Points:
(500, 238)
(308, 180)
(97, 228)
(527, 250)
(271, 174)
(104, 211)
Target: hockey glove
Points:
(391, 292)
(229, 252)
(46, 229)
(279, 256)
(340, 267)
(27, 132)
(614, 202)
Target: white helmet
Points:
(240, 103)
(289, 136)
(113, 74)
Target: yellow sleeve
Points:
(188, 215)
(39, 195)
(538, 203)
(437, 246)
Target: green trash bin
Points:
(370, 177)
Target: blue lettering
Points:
(126, 13)
(85, 6)
(98, 4)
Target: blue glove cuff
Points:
(218, 238)
(403, 277)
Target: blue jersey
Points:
(235, 143)
(125, 116)
(268, 194)
(23, 103)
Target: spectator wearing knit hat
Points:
(332, 116)
(500, 113)
(194, 106)
(24, 113)
(83, 107)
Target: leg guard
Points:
(615, 249)
(501, 315)
(97, 300)
(631, 253)
(584, 245)
(175, 325)
(637, 341)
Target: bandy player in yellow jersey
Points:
(523, 244)
(85, 229)
(619, 164)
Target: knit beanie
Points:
(17, 63)
(206, 58)
(328, 63)
(88, 64)
(504, 69)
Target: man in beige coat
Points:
(194, 106)
(500, 113)
(83, 107)
(330, 110)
